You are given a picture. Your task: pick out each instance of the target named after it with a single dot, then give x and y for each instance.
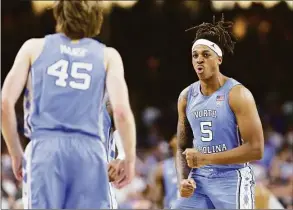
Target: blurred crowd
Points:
(157, 61)
(274, 171)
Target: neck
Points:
(211, 85)
(72, 40)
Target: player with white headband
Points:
(219, 130)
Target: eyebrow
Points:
(204, 51)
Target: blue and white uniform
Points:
(215, 130)
(65, 164)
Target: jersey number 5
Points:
(60, 70)
(206, 128)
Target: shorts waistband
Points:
(62, 134)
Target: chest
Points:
(212, 109)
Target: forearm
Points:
(9, 130)
(242, 154)
(125, 125)
(184, 138)
(182, 168)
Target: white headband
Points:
(213, 46)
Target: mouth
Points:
(199, 69)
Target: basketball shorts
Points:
(65, 173)
(220, 189)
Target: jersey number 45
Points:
(60, 70)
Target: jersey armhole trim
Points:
(104, 48)
(228, 104)
(189, 93)
(41, 52)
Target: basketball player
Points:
(220, 115)
(164, 189)
(65, 75)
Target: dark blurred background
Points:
(150, 36)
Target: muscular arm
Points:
(243, 105)
(184, 137)
(119, 99)
(12, 89)
(119, 151)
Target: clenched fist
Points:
(187, 187)
(194, 158)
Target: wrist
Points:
(130, 157)
(207, 159)
(15, 152)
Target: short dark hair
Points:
(78, 19)
(217, 32)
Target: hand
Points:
(17, 166)
(194, 158)
(187, 187)
(113, 168)
(125, 173)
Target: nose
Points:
(199, 59)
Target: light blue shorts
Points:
(219, 189)
(66, 173)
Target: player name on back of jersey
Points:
(75, 51)
(205, 113)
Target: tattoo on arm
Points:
(184, 140)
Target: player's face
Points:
(205, 62)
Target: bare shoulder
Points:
(29, 50)
(36, 40)
(28, 45)
(183, 95)
(34, 43)
(111, 55)
(111, 51)
(34, 47)
(182, 99)
(240, 97)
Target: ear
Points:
(220, 60)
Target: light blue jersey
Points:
(215, 130)
(170, 182)
(65, 163)
(212, 121)
(65, 88)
